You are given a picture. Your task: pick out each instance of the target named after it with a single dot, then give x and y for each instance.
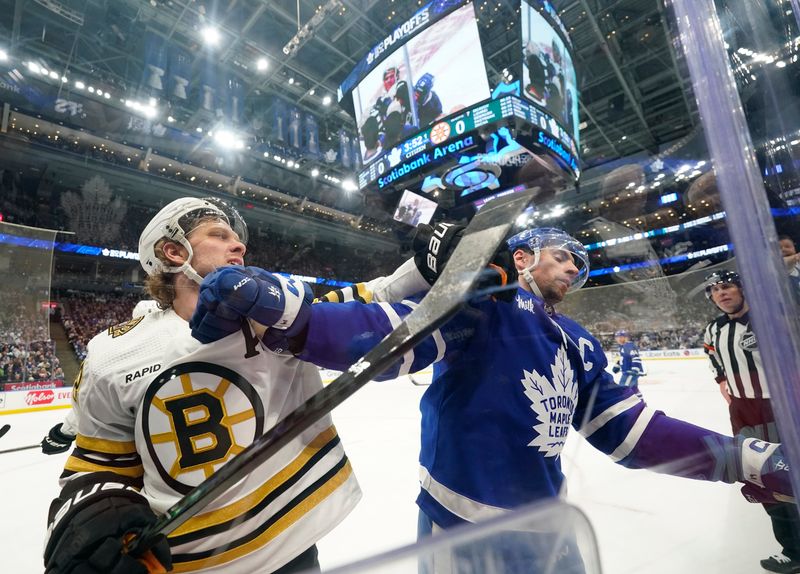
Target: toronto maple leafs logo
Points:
(395, 156)
(553, 400)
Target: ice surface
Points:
(644, 522)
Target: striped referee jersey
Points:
(732, 349)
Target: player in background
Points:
(510, 378)
(370, 134)
(732, 349)
(537, 73)
(429, 106)
(792, 261)
(398, 121)
(60, 438)
(629, 363)
(391, 76)
(158, 412)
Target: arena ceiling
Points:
(633, 96)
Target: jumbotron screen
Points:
(548, 74)
(414, 209)
(435, 74)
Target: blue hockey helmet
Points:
(719, 277)
(423, 88)
(621, 333)
(538, 238)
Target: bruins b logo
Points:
(195, 417)
(119, 330)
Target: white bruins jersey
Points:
(153, 403)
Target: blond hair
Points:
(161, 286)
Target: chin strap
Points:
(187, 268)
(527, 276)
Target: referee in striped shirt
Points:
(732, 349)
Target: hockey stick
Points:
(475, 250)
(4, 429)
(30, 446)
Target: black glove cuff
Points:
(60, 437)
(82, 493)
(433, 247)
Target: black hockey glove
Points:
(433, 247)
(56, 442)
(89, 526)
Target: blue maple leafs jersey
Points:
(629, 358)
(509, 382)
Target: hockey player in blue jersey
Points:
(510, 379)
(630, 362)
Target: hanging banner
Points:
(295, 128)
(280, 121)
(345, 149)
(231, 98)
(311, 134)
(180, 70)
(356, 154)
(207, 95)
(155, 61)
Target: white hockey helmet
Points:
(174, 222)
(539, 238)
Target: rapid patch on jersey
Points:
(195, 417)
(553, 400)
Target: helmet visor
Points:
(215, 209)
(540, 239)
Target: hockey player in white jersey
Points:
(510, 379)
(60, 438)
(158, 412)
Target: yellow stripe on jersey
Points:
(105, 446)
(76, 464)
(274, 530)
(364, 294)
(357, 292)
(243, 505)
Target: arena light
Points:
(314, 172)
(80, 85)
(3, 56)
(53, 74)
(34, 67)
(262, 64)
(211, 35)
(227, 139)
(349, 185)
(326, 101)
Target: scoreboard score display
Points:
(560, 142)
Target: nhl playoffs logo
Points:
(748, 341)
(553, 400)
